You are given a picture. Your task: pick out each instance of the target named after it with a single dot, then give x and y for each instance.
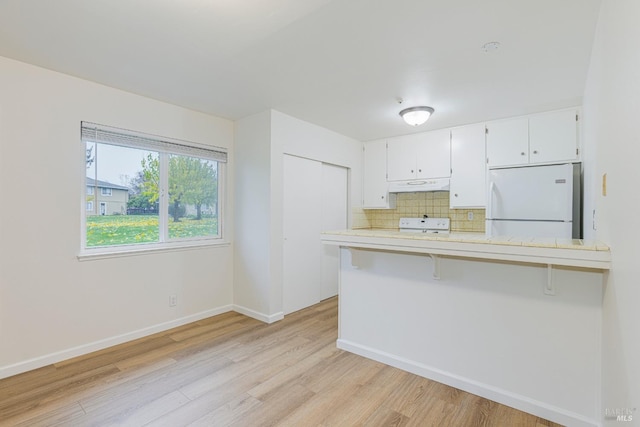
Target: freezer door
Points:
(529, 229)
(531, 193)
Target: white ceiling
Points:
(341, 64)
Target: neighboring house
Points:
(104, 198)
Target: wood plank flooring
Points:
(230, 370)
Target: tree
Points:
(90, 157)
(202, 184)
(191, 181)
(137, 198)
(150, 174)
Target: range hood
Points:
(419, 185)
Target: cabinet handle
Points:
(535, 151)
(382, 197)
(411, 170)
(456, 194)
(419, 170)
(522, 154)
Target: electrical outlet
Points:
(173, 300)
(470, 216)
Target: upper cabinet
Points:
(375, 188)
(540, 138)
(508, 142)
(468, 167)
(463, 153)
(553, 136)
(422, 155)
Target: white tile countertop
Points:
(566, 252)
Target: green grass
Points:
(131, 229)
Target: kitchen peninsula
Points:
(513, 320)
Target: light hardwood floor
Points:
(233, 370)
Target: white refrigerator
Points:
(535, 201)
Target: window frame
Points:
(164, 243)
(105, 193)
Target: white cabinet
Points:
(401, 158)
(421, 155)
(468, 167)
(540, 138)
(508, 142)
(375, 188)
(434, 155)
(553, 136)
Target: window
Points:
(161, 192)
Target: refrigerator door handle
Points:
(490, 200)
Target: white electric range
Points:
(424, 225)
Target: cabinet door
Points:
(468, 167)
(433, 154)
(553, 137)
(508, 142)
(375, 194)
(401, 158)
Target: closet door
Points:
(334, 217)
(315, 198)
(302, 254)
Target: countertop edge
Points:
(561, 256)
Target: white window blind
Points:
(92, 132)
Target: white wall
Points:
(612, 109)
(53, 306)
(303, 139)
(252, 287)
(259, 293)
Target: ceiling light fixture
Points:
(415, 116)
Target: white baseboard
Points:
(266, 318)
(39, 362)
(504, 397)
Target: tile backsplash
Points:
(433, 204)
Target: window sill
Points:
(113, 252)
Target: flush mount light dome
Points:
(415, 116)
